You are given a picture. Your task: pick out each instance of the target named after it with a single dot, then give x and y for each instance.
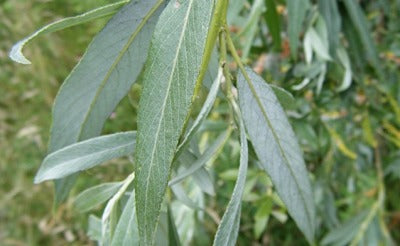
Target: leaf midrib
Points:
(254, 92)
(175, 61)
(117, 60)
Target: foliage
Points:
(345, 114)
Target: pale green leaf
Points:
(127, 233)
(16, 50)
(169, 81)
(228, 228)
(277, 149)
(343, 234)
(102, 78)
(94, 228)
(330, 12)
(296, 14)
(209, 154)
(285, 98)
(84, 155)
(172, 231)
(205, 110)
(94, 196)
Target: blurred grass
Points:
(26, 97)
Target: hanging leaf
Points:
(209, 154)
(205, 110)
(330, 12)
(229, 227)
(102, 78)
(16, 50)
(360, 24)
(277, 149)
(296, 15)
(169, 81)
(84, 155)
(95, 196)
(126, 233)
(274, 23)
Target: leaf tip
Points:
(16, 53)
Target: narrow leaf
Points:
(274, 23)
(209, 154)
(277, 149)
(94, 228)
(174, 65)
(330, 12)
(172, 232)
(16, 50)
(361, 26)
(228, 228)
(205, 110)
(95, 196)
(127, 233)
(85, 155)
(102, 78)
(296, 14)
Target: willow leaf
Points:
(229, 227)
(16, 51)
(205, 110)
(296, 14)
(94, 196)
(171, 76)
(277, 149)
(84, 155)
(209, 154)
(126, 233)
(102, 78)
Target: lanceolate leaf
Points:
(84, 155)
(169, 82)
(95, 196)
(16, 51)
(209, 154)
(102, 78)
(205, 110)
(277, 149)
(361, 26)
(126, 233)
(330, 13)
(296, 14)
(273, 22)
(228, 228)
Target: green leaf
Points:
(84, 155)
(209, 154)
(102, 78)
(205, 110)
(201, 176)
(229, 227)
(274, 23)
(360, 24)
(248, 33)
(173, 71)
(277, 149)
(285, 98)
(94, 228)
(343, 234)
(16, 50)
(172, 232)
(95, 196)
(330, 13)
(296, 14)
(127, 233)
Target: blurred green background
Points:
(338, 132)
